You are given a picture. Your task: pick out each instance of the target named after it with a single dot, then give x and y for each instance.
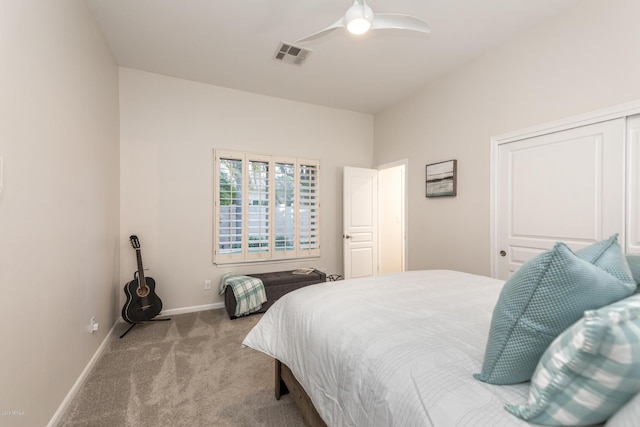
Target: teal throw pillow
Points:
(634, 264)
(590, 371)
(607, 254)
(543, 298)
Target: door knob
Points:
(346, 236)
(503, 253)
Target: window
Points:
(266, 207)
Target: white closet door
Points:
(633, 184)
(565, 186)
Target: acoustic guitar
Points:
(142, 302)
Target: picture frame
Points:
(441, 179)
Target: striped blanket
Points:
(249, 292)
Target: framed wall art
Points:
(441, 179)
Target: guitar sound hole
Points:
(143, 291)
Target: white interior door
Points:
(564, 186)
(360, 242)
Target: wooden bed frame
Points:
(287, 383)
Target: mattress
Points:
(391, 350)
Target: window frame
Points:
(270, 254)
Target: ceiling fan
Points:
(360, 18)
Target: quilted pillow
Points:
(543, 298)
(626, 416)
(590, 371)
(634, 265)
(607, 254)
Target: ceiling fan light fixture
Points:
(358, 18)
(358, 26)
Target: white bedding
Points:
(391, 350)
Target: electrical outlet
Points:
(207, 285)
(93, 325)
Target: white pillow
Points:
(628, 415)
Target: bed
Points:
(392, 350)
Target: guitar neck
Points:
(141, 279)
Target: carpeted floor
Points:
(189, 371)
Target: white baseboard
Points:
(192, 309)
(55, 420)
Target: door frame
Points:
(615, 112)
(405, 164)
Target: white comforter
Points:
(391, 350)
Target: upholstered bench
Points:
(276, 284)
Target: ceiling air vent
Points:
(291, 54)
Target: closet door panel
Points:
(633, 184)
(565, 186)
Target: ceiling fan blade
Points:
(400, 22)
(324, 32)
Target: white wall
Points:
(59, 206)
(583, 60)
(169, 128)
(64, 227)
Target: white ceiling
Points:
(231, 43)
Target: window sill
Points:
(263, 261)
